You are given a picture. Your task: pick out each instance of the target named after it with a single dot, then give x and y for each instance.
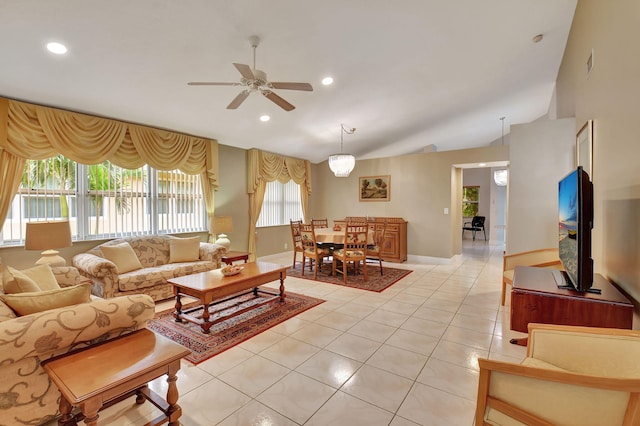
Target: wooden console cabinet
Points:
(394, 247)
(535, 297)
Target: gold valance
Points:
(36, 132)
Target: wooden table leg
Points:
(206, 324)
(90, 411)
(65, 413)
(282, 295)
(174, 411)
(178, 312)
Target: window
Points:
(104, 200)
(281, 203)
(470, 195)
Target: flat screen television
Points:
(575, 221)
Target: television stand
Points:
(563, 283)
(535, 297)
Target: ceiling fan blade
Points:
(278, 100)
(245, 70)
(211, 83)
(235, 103)
(292, 86)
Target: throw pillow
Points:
(15, 282)
(43, 276)
(184, 249)
(29, 303)
(123, 256)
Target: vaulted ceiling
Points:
(407, 74)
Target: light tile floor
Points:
(406, 356)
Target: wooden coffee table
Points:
(109, 372)
(212, 288)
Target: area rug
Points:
(375, 282)
(232, 331)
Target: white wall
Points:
(541, 153)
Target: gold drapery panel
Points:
(29, 131)
(263, 167)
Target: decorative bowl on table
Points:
(230, 270)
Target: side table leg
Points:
(174, 411)
(90, 410)
(65, 412)
(178, 312)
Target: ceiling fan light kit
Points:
(342, 164)
(255, 80)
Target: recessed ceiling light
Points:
(265, 118)
(327, 81)
(537, 38)
(57, 48)
(482, 164)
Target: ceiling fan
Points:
(255, 80)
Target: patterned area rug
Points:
(375, 282)
(230, 332)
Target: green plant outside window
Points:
(470, 197)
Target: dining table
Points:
(328, 235)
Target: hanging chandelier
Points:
(342, 164)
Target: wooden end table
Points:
(210, 286)
(233, 256)
(112, 371)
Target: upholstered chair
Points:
(571, 375)
(542, 258)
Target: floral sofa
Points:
(27, 395)
(160, 258)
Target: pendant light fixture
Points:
(342, 164)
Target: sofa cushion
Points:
(6, 313)
(29, 303)
(152, 276)
(184, 249)
(41, 275)
(123, 256)
(15, 282)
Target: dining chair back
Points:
(374, 250)
(320, 223)
(297, 241)
(311, 249)
(354, 250)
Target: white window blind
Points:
(104, 200)
(281, 203)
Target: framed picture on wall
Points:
(374, 188)
(584, 148)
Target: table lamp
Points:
(48, 236)
(221, 226)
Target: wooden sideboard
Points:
(394, 247)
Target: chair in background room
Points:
(374, 251)
(476, 224)
(297, 241)
(320, 223)
(570, 376)
(542, 258)
(354, 250)
(311, 249)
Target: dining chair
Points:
(297, 241)
(311, 249)
(354, 250)
(320, 223)
(374, 250)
